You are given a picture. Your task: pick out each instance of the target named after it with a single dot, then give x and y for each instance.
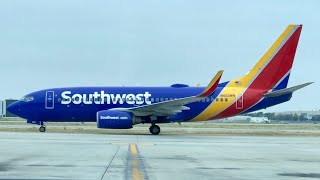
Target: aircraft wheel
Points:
(154, 129)
(42, 129)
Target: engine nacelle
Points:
(113, 119)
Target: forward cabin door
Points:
(49, 101)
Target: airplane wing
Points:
(286, 90)
(170, 107)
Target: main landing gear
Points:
(154, 129)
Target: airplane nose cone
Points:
(14, 108)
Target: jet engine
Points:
(113, 119)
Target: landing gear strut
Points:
(154, 129)
(42, 128)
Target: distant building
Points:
(259, 120)
(3, 108)
(244, 119)
(237, 119)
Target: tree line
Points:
(281, 117)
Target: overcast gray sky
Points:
(59, 43)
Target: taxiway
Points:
(102, 156)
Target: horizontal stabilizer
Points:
(286, 91)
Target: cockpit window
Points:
(27, 98)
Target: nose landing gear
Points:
(42, 128)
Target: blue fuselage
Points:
(81, 104)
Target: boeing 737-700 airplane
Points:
(263, 86)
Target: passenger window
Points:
(161, 99)
(217, 99)
(166, 99)
(152, 99)
(208, 99)
(226, 99)
(157, 99)
(221, 99)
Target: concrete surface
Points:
(103, 156)
(184, 128)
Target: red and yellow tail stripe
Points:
(271, 67)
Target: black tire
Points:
(154, 129)
(42, 129)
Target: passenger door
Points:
(49, 100)
(239, 102)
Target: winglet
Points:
(212, 85)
